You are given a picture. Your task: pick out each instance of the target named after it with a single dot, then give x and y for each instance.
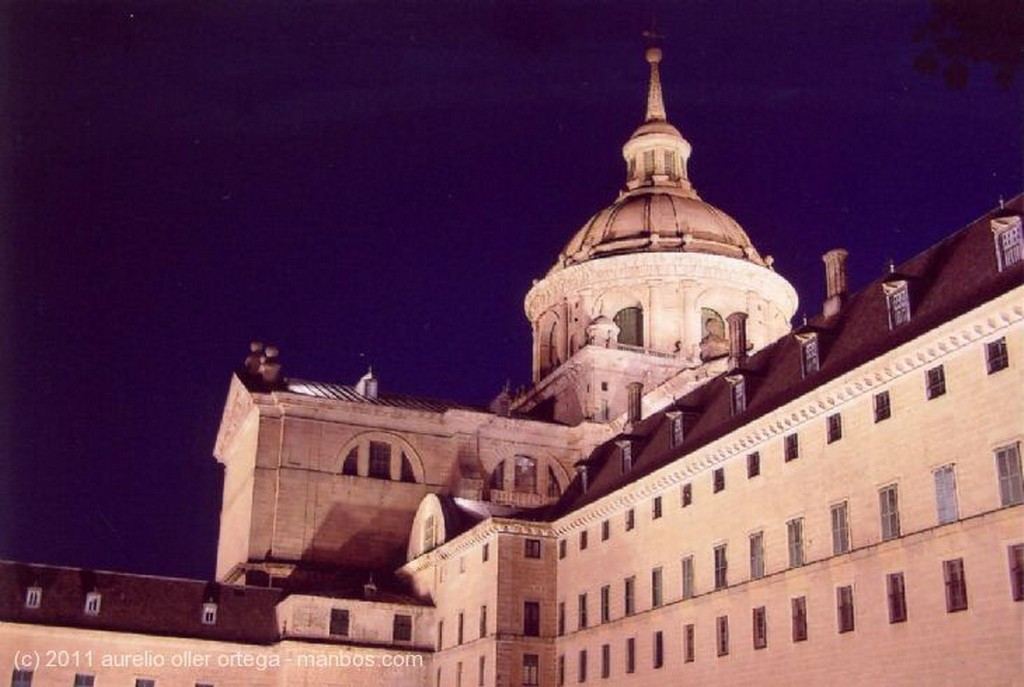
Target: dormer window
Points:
(1009, 243)
(738, 394)
(92, 603)
(809, 358)
(209, 613)
(897, 297)
(626, 455)
(675, 419)
(33, 597)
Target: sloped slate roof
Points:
(946, 280)
(138, 603)
(342, 392)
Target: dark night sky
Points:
(379, 183)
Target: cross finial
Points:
(655, 102)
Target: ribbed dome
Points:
(659, 220)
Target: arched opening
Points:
(631, 326)
(554, 489)
(351, 464)
(407, 472)
(498, 477)
(525, 475)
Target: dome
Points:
(658, 220)
(659, 210)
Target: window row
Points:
(531, 671)
(23, 678)
(94, 601)
(531, 624)
(955, 592)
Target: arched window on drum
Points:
(631, 326)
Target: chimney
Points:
(270, 366)
(367, 385)
(634, 392)
(835, 281)
(737, 338)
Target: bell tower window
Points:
(648, 163)
(631, 326)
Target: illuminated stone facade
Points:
(707, 497)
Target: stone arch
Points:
(405, 464)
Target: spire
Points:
(655, 101)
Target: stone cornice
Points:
(478, 534)
(951, 337)
(634, 268)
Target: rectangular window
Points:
(92, 603)
(581, 673)
(583, 540)
(21, 678)
(844, 608)
(33, 597)
(581, 612)
(676, 431)
(532, 548)
(460, 628)
(753, 464)
(630, 654)
(561, 670)
(722, 634)
(143, 682)
(792, 447)
(1016, 554)
(606, 660)
(606, 530)
(209, 614)
(440, 635)
(402, 628)
(897, 597)
(760, 628)
(795, 536)
(485, 552)
(799, 605)
(458, 674)
(1009, 245)
(606, 603)
(481, 671)
(935, 380)
(656, 588)
(996, 356)
(687, 495)
(339, 622)
(809, 356)
(739, 396)
(1011, 481)
(956, 585)
(82, 680)
(689, 648)
(898, 298)
(630, 519)
(531, 669)
(757, 555)
(629, 596)
(883, 407)
(945, 495)
(670, 164)
(835, 427)
(561, 618)
(563, 548)
(719, 479)
(889, 509)
(721, 568)
(380, 460)
(531, 619)
(688, 577)
(482, 631)
(626, 455)
(656, 508)
(658, 659)
(840, 529)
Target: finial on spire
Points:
(655, 101)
